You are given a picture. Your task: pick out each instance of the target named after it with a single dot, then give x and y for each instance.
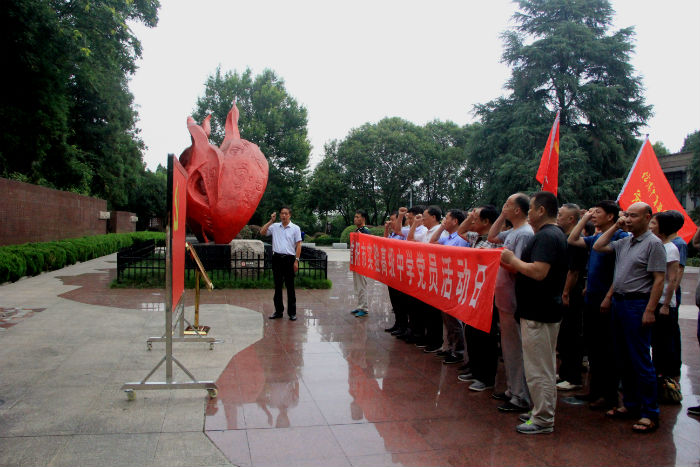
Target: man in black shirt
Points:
(538, 287)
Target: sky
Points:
(349, 63)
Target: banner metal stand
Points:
(174, 283)
(192, 333)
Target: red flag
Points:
(647, 183)
(548, 172)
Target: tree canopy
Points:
(563, 57)
(377, 167)
(68, 120)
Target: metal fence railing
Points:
(146, 260)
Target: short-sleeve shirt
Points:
(672, 255)
(396, 236)
(284, 239)
(541, 300)
(363, 230)
(683, 252)
(452, 239)
(515, 240)
(601, 267)
(636, 259)
(417, 234)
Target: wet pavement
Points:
(331, 389)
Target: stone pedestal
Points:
(247, 257)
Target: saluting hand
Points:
(273, 216)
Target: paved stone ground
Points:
(329, 389)
(61, 371)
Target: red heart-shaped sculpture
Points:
(224, 184)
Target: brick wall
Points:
(121, 222)
(31, 213)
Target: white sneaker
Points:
(567, 386)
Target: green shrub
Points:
(324, 239)
(30, 259)
(693, 262)
(345, 236)
(12, 266)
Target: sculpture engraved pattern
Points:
(225, 184)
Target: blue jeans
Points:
(633, 343)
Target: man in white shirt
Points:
(429, 318)
(286, 250)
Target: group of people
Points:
(573, 283)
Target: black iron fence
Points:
(147, 260)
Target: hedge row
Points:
(30, 259)
(345, 236)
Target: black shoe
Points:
(432, 348)
(500, 396)
(391, 329)
(421, 344)
(443, 354)
(293, 318)
(398, 332)
(452, 359)
(277, 316)
(695, 410)
(512, 408)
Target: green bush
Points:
(345, 236)
(31, 259)
(324, 239)
(12, 266)
(693, 262)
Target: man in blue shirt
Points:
(597, 327)
(286, 250)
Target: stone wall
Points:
(32, 213)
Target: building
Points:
(675, 167)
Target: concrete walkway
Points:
(62, 364)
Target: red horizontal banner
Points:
(459, 281)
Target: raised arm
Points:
(496, 228)
(575, 235)
(603, 243)
(263, 230)
(398, 223)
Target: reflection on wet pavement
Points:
(331, 389)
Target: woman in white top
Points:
(662, 225)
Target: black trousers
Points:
(598, 334)
(570, 342)
(482, 348)
(398, 305)
(283, 273)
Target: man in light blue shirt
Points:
(286, 250)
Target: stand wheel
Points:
(149, 345)
(212, 393)
(211, 346)
(130, 394)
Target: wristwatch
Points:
(296, 259)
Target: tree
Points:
(270, 118)
(371, 169)
(447, 179)
(692, 144)
(68, 122)
(563, 58)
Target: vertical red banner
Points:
(178, 211)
